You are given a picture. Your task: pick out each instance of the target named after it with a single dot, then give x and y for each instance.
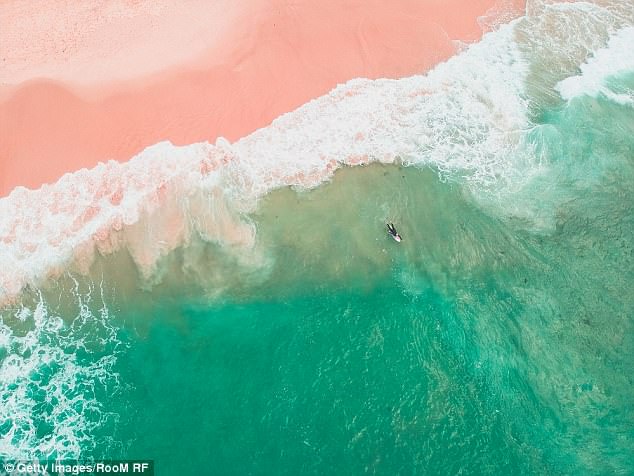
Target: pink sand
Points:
(83, 84)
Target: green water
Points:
(485, 343)
(497, 338)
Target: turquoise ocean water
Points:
(497, 338)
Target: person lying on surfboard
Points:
(392, 231)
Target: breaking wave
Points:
(56, 374)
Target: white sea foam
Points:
(49, 403)
(616, 58)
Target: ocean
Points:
(244, 311)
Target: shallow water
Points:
(473, 346)
(476, 345)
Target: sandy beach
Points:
(80, 85)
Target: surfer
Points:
(392, 231)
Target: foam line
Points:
(617, 57)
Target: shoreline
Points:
(268, 64)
